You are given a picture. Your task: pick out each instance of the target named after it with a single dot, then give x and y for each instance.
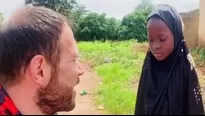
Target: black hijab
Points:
(169, 87)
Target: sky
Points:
(112, 8)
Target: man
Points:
(39, 65)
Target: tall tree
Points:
(69, 8)
(77, 15)
(64, 7)
(144, 7)
(133, 25)
(92, 27)
(97, 27)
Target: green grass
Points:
(199, 56)
(118, 64)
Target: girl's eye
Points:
(162, 40)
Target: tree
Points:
(69, 8)
(46, 3)
(1, 18)
(97, 27)
(112, 29)
(133, 25)
(64, 7)
(77, 15)
(144, 7)
(91, 27)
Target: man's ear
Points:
(39, 71)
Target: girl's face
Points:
(161, 40)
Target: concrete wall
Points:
(201, 32)
(191, 26)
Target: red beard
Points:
(56, 97)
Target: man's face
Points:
(59, 95)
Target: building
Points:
(201, 31)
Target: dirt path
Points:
(84, 104)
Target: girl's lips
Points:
(158, 55)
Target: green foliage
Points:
(46, 3)
(145, 7)
(64, 7)
(69, 8)
(199, 56)
(78, 13)
(133, 25)
(112, 28)
(92, 26)
(1, 19)
(97, 27)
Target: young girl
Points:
(169, 83)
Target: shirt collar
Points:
(7, 106)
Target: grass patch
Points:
(199, 56)
(118, 63)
